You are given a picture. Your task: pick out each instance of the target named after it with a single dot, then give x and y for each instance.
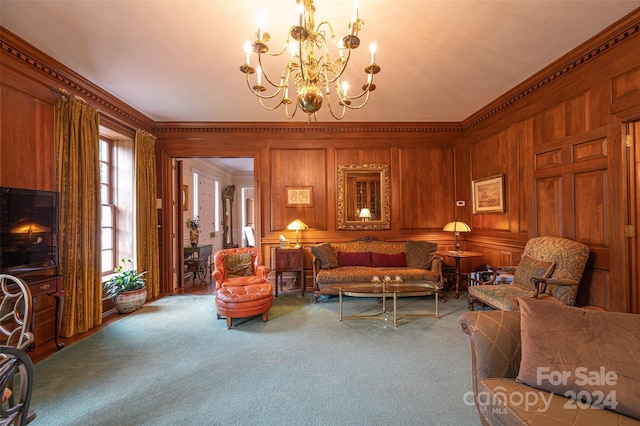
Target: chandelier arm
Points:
(283, 79)
(333, 114)
(362, 104)
(342, 69)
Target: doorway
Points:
(202, 181)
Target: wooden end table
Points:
(457, 255)
(289, 260)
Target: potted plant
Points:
(194, 230)
(127, 288)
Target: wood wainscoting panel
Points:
(563, 119)
(549, 159)
(594, 289)
(590, 193)
(549, 205)
(427, 187)
(626, 84)
(590, 150)
(298, 167)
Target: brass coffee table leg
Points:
(395, 310)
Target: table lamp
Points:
(297, 225)
(457, 227)
(365, 214)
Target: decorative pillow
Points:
(347, 258)
(419, 254)
(388, 260)
(530, 267)
(238, 265)
(326, 255)
(580, 353)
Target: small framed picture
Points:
(488, 195)
(299, 196)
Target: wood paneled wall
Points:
(560, 150)
(556, 138)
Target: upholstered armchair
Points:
(242, 285)
(550, 268)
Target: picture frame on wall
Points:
(299, 196)
(488, 195)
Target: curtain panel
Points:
(146, 212)
(77, 144)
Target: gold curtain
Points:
(146, 212)
(77, 144)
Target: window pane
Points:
(104, 173)
(107, 238)
(107, 261)
(107, 217)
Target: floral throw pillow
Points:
(238, 265)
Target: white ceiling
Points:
(178, 60)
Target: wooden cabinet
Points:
(50, 285)
(289, 260)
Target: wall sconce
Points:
(365, 214)
(297, 225)
(457, 227)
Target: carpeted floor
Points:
(174, 363)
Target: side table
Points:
(289, 260)
(457, 255)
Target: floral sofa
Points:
(335, 265)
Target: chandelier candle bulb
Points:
(372, 49)
(247, 50)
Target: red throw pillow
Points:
(347, 258)
(388, 260)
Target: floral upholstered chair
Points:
(550, 268)
(242, 286)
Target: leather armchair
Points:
(241, 292)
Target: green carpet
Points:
(174, 363)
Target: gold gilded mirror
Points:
(363, 196)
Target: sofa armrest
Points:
(495, 343)
(436, 266)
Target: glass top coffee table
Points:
(384, 290)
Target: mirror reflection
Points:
(363, 196)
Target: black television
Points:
(29, 229)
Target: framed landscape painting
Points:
(488, 195)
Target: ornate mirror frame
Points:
(376, 178)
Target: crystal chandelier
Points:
(310, 67)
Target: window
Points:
(108, 224)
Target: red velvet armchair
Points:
(242, 286)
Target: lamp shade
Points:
(297, 225)
(456, 226)
(365, 213)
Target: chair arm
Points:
(495, 343)
(218, 276)
(541, 284)
(263, 272)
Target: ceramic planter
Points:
(130, 301)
